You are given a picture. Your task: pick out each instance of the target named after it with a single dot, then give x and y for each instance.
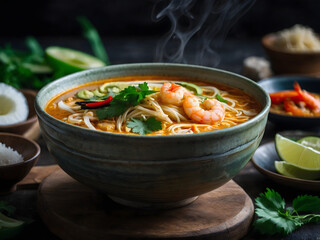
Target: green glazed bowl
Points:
(152, 171)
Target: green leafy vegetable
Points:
(142, 126)
(36, 50)
(221, 99)
(94, 39)
(30, 69)
(6, 208)
(15, 68)
(128, 97)
(9, 227)
(275, 218)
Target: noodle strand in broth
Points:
(238, 107)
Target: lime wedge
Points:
(65, 60)
(313, 142)
(296, 153)
(291, 170)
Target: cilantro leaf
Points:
(306, 203)
(153, 124)
(144, 126)
(270, 200)
(274, 218)
(128, 97)
(116, 108)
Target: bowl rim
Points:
(31, 159)
(270, 47)
(236, 128)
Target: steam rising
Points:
(197, 26)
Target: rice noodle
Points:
(63, 106)
(86, 120)
(75, 118)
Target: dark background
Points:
(114, 18)
(131, 35)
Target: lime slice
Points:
(65, 60)
(291, 170)
(313, 142)
(296, 153)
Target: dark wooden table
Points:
(131, 50)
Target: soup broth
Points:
(153, 106)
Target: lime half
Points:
(313, 142)
(66, 60)
(296, 153)
(291, 170)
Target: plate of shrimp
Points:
(295, 101)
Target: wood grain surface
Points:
(74, 211)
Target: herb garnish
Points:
(275, 218)
(128, 97)
(142, 126)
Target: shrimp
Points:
(172, 93)
(306, 97)
(212, 112)
(291, 107)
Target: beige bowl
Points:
(288, 62)
(22, 127)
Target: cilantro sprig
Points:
(142, 126)
(276, 218)
(128, 97)
(29, 68)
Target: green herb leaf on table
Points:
(306, 203)
(275, 218)
(6, 208)
(143, 127)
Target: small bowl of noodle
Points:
(152, 134)
(295, 50)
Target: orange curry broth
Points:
(52, 109)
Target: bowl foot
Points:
(152, 205)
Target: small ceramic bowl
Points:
(288, 62)
(22, 127)
(152, 171)
(13, 173)
(281, 83)
(265, 156)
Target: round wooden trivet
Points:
(73, 211)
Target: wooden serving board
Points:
(73, 211)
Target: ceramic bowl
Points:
(22, 127)
(285, 62)
(265, 156)
(13, 173)
(281, 83)
(152, 171)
